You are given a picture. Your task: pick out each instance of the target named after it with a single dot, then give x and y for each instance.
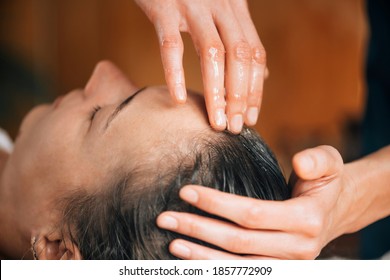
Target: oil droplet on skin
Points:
(255, 77)
(216, 95)
(257, 57)
(214, 52)
(240, 83)
(220, 118)
(237, 95)
(218, 98)
(241, 73)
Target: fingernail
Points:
(220, 118)
(252, 115)
(180, 250)
(236, 123)
(167, 222)
(189, 195)
(180, 92)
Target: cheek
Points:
(47, 144)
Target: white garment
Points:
(386, 256)
(6, 143)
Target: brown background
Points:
(316, 51)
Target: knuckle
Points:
(239, 242)
(191, 227)
(171, 42)
(254, 97)
(235, 99)
(215, 51)
(173, 72)
(259, 55)
(334, 153)
(210, 203)
(327, 155)
(242, 52)
(314, 224)
(309, 250)
(251, 216)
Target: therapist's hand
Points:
(231, 55)
(297, 228)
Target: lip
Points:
(57, 101)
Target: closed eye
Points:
(94, 111)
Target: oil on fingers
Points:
(258, 71)
(256, 82)
(171, 46)
(238, 59)
(212, 57)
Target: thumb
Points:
(318, 162)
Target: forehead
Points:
(151, 124)
(156, 104)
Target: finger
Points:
(238, 62)
(258, 71)
(245, 211)
(256, 83)
(315, 163)
(232, 238)
(171, 48)
(191, 251)
(212, 57)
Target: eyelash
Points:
(94, 111)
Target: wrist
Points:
(367, 188)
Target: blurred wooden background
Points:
(316, 51)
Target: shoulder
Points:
(6, 143)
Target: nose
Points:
(107, 79)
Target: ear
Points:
(53, 246)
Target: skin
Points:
(329, 199)
(329, 195)
(232, 57)
(59, 150)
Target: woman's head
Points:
(98, 165)
(120, 222)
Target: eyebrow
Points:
(120, 107)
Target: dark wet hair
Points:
(119, 222)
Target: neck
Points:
(12, 243)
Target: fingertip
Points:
(218, 128)
(252, 115)
(167, 221)
(303, 164)
(219, 119)
(180, 93)
(235, 124)
(317, 162)
(189, 194)
(179, 249)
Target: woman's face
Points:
(85, 137)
